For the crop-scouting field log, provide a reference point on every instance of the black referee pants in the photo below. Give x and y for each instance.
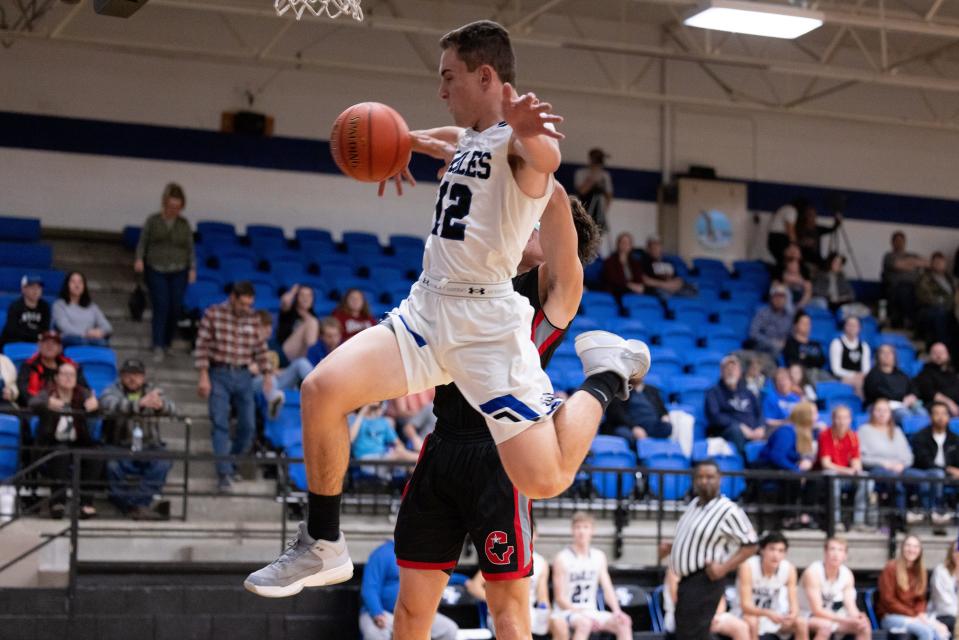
(696, 603)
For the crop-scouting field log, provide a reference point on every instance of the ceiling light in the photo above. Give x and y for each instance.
(755, 18)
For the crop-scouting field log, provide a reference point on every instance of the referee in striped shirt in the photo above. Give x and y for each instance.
(700, 552)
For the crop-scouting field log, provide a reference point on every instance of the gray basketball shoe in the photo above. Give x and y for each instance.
(604, 351)
(305, 563)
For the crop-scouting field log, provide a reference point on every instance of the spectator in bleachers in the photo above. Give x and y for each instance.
(935, 452)
(378, 594)
(802, 350)
(802, 383)
(732, 411)
(771, 325)
(831, 289)
(643, 415)
(40, 369)
(659, 275)
(938, 380)
(419, 426)
(782, 228)
(779, 401)
(936, 294)
(809, 235)
(901, 595)
(944, 588)
(886, 380)
(288, 378)
(228, 342)
(793, 447)
(166, 257)
(132, 408)
(886, 451)
(298, 328)
(828, 595)
(29, 315)
(331, 336)
(755, 377)
(623, 270)
(402, 409)
(62, 407)
(8, 380)
(78, 319)
(794, 276)
(353, 313)
(594, 186)
(900, 273)
(840, 457)
(724, 623)
(373, 437)
(850, 358)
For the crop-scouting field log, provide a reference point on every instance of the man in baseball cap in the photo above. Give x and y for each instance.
(28, 315)
(771, 324)
(39, 370)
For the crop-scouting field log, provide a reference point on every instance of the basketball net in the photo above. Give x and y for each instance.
(332, 8)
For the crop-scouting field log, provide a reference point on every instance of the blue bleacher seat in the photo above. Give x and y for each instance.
(711, 266)
(234, 264)
(626, 328)
(852, 401)
(610, 484)
(264, 231)
(334, 273)
(314, 249)
(606, 444)
(130, 236)
(297, 471)
(744, 297)
(668, 486)
(752, 450)
(199, 291)
(98, 361)
(26, 256)
(387, 277)
(704, 362)
(16, 229)
(678, 264)
(407, 243)
(286, 430)
(691, 389)
(913, 424)
(213, 227)
(594, 300)
(665, 361)
(19, 351)
(649, 447)
(640, 301)
(832, 388)
(678, 336)
(582, 324)
(309, 234)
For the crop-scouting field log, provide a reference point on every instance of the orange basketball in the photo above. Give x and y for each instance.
(370, 142)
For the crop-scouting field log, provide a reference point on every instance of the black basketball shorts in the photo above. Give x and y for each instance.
(460, 488)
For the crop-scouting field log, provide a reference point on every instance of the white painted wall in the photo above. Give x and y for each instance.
(106, 193)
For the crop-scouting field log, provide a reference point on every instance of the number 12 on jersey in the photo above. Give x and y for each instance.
(449, 221)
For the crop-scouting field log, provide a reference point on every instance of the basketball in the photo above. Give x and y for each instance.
(370, 142)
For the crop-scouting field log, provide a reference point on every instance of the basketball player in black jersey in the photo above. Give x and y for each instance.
(459, 485)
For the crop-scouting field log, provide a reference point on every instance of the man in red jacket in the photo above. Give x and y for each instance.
(38, 370)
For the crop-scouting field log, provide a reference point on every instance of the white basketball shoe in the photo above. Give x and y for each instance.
(604, 351)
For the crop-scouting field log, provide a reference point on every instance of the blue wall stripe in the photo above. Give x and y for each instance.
(153, 142)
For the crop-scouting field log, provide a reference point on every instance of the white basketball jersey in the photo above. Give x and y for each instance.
(831, 591)
(482, 220)
(769, 592)
(582, 576)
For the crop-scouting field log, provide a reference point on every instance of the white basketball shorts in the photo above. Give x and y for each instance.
(480, 337)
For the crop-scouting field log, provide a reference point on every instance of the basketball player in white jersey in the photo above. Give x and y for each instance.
(767, 592)
(462, 321)
(828, 596)
(579, 571)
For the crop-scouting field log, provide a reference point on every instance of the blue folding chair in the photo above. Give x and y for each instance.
(752, 451)
(691, 389)
(17, 229)
(614, 484)
(26, 256)
(833, 388)
(19, 351)
(595, 301)
(913, 424)
(667, 486)
(297, 471)
(264, 231)
(608, 444)
(407, 243)
(651, 447)
(310, 234)
(665, 362)
(678, 336)
(97, 362)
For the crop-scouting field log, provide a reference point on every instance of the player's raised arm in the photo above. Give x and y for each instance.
(535, 139)
(562, 269)
(439, 143)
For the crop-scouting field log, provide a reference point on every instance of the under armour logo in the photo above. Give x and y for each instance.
(481, 291)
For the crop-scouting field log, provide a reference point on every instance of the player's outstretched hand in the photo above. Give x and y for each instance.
(398, 180)
(528, 116)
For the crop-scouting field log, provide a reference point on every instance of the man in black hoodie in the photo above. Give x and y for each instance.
(732, 411)
(29, 315)
(938, 381)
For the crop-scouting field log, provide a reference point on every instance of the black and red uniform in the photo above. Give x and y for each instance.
(459, 486)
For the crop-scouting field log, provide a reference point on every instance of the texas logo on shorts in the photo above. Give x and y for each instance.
(497, 549)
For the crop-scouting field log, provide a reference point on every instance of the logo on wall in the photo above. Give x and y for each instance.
(713, 229)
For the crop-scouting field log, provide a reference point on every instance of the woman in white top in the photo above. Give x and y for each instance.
(943, 588)
(724, 623)
(77, 318)
(849, 357)
(828, 595)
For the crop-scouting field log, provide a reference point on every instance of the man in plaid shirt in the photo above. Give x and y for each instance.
(227, 343)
